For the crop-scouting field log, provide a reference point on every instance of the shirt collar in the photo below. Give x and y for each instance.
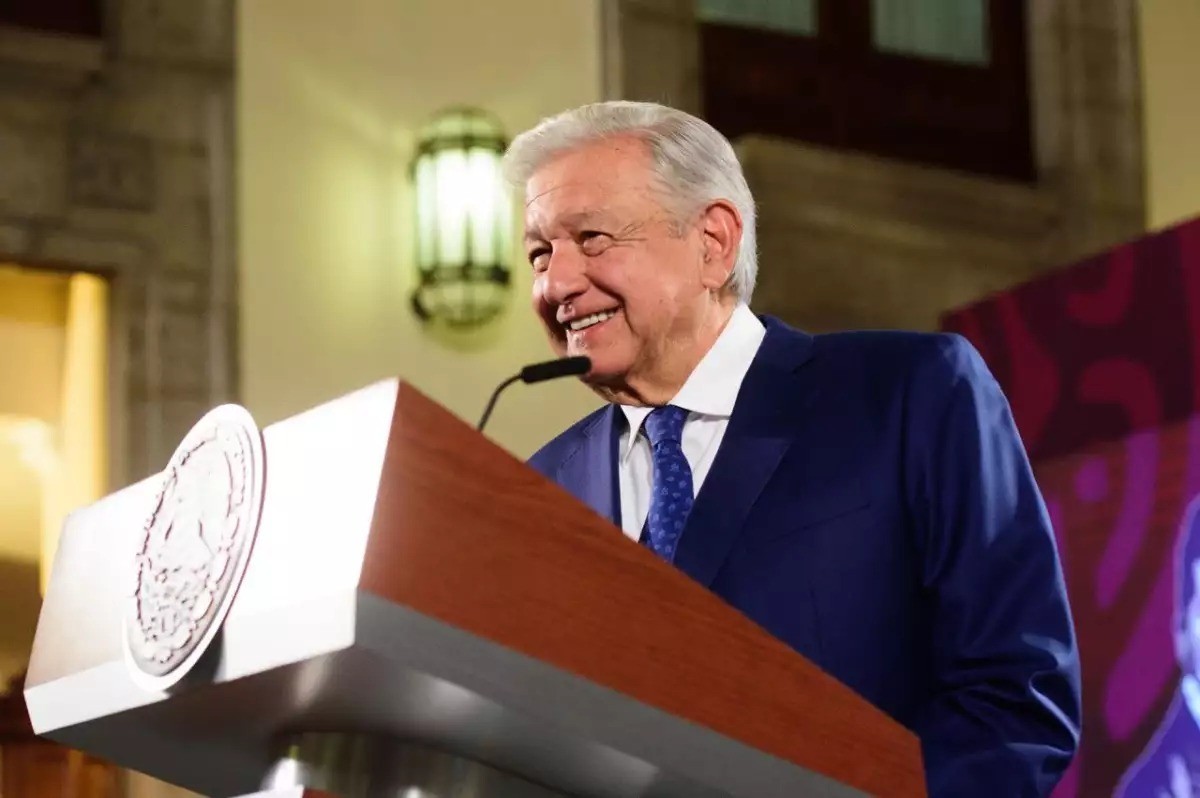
(712, 388)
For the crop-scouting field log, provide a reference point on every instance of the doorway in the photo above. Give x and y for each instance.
(54, 375)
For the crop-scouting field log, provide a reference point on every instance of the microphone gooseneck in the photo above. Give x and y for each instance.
(538, 372)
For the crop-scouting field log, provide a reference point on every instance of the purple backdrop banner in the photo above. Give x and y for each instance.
(1101, 362)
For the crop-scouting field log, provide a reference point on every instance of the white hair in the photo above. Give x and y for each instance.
(694, 163)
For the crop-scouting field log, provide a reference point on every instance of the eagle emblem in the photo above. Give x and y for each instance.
(195, 545)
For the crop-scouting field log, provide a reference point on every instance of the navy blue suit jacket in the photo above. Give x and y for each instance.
(872, 506)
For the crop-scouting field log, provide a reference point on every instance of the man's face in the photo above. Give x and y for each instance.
(616, 276)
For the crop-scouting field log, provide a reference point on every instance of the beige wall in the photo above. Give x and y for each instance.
(1170, 47)
(330, 96)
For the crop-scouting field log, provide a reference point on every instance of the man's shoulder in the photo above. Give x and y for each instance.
(547, 459)
(897, 346)
(928, 371)
(876, 369)
(891, 355)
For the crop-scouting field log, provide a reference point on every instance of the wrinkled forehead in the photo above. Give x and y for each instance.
(573, 209)
(601, 181)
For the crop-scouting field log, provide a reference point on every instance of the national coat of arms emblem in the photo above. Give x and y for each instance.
(195, 546)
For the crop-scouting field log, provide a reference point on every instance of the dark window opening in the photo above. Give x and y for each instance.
(940, 82)
(69, 17)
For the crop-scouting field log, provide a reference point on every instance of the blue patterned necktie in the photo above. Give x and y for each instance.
(671, 488)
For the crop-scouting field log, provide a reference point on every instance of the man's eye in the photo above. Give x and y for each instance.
(594, 241)
(538, 257)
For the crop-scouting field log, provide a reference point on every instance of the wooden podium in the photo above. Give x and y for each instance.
(418, 605)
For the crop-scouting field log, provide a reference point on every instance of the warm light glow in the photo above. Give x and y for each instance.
(426, 190)
(453, 193)
(464, 219)
(26, 477)
(463, 208)
(81, 473)
(489, 207)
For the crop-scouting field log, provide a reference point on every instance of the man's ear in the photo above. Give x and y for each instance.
(721, 227)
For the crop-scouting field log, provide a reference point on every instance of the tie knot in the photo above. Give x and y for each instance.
(665, 424)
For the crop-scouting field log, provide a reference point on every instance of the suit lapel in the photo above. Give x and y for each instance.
(590, 471)
(767, 419)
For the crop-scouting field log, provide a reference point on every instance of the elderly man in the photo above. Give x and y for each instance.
(862, 496)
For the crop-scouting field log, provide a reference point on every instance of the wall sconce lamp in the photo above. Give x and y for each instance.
(463, 220)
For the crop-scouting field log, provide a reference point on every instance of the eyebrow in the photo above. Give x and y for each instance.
(572, 221)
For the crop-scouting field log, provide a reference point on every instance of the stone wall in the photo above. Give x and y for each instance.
(849, 240)
(116, 156)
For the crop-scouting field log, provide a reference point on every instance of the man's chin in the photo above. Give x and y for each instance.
(609, 384)
(609, 368)
(598, 377)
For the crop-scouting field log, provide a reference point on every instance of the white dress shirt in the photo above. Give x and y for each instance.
(709, 395)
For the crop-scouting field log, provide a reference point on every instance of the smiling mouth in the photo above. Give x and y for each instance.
(587, 322)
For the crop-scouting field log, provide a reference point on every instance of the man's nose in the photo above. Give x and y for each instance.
(566, 277)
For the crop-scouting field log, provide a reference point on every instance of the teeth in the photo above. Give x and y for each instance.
(587, 321)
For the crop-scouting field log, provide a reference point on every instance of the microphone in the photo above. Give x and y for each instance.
(539, 372)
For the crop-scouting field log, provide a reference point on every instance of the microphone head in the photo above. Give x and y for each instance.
(553, 369)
